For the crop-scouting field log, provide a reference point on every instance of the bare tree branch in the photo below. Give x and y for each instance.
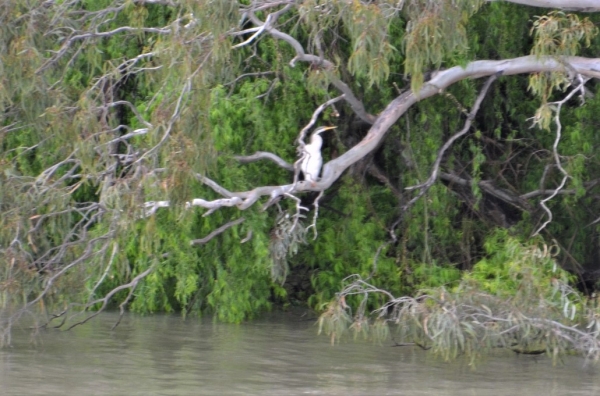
(556, 107)
(537, 193)
(438, 161)
(218, 231)
(71, 40)
(488, 187)
(242, 76)
(260, 155)
(383, 178)
(356, 105)
(104, 300)
(313, 225)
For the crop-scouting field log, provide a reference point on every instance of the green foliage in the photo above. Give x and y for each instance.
(348, 244)
(371, 51)
(560, 34)
(510, 267)
(557, 34)
(436, 33)
(431, 276)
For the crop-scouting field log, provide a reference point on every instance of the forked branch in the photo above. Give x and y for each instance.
(438, 161)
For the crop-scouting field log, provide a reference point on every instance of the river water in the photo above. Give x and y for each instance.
(278, 355)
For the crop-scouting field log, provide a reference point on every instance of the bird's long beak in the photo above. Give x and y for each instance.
(328, 128)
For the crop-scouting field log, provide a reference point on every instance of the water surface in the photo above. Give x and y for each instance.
(278, 355)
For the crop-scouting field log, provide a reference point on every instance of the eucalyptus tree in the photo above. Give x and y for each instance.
(151, 149)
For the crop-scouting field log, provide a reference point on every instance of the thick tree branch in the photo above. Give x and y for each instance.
(488, 187)
(565, 5)
(333, 169)
(214, 185)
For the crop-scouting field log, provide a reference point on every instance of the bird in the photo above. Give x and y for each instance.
(312, 161)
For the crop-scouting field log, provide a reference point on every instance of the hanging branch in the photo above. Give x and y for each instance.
(436, 165)
(218, 231)
(355, 104)
(556, 106)
(313, 225)
(104, 300)
(299, 209)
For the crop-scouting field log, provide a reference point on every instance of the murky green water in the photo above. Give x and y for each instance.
(279, 355)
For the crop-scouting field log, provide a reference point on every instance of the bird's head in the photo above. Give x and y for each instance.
(323, 129)
(315, 139)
